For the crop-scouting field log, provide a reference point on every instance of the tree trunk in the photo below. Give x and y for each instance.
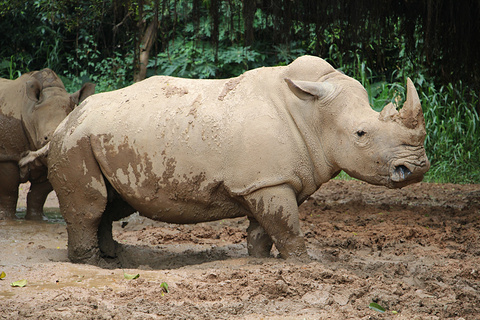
(248, 17)
(146, 45)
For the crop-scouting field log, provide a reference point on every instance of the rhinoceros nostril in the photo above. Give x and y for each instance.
(402, 172)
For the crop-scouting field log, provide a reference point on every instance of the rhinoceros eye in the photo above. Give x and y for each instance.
(361, 133)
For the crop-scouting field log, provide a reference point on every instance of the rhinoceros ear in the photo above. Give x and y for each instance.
(34, 87)
(87, 90)
(308, 90)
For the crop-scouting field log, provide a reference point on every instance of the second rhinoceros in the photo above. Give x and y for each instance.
(187, 151)
(31, 107)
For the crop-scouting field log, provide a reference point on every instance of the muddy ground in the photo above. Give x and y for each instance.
(414, 251)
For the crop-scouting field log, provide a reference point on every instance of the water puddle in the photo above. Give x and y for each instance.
(52, 215)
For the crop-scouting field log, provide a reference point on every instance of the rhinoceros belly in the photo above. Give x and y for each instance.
(165, 187)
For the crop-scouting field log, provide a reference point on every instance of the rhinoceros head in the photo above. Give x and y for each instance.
(48, 104)
(385, 148)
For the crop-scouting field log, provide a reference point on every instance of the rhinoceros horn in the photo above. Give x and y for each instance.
(388, 112)
(411, 115)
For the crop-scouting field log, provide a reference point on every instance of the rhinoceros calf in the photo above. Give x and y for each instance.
(31, 107)
(187, 151)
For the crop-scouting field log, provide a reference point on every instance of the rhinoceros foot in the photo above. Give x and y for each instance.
(92, 256)
(259, 243)
(7, 208)
(33, 214)
(294, 249)
(7, 214)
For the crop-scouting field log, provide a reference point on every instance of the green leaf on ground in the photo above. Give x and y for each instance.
(164, 287)
(376, 307)
(19, 283)
(2, 275)
(131, 276)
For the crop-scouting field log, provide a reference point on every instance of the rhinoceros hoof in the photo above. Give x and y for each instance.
(259, 251)
(7, 214)
(92, 256)
(301, 257)
(36, 216)
(109, 249)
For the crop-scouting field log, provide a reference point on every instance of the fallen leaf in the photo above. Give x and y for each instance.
(376, 307)
(19, 283)
(2, 275)
(130, 276)
(164, 287)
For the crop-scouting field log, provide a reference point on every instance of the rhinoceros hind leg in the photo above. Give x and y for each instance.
(82, 195)
(36, 199)
(259, 243)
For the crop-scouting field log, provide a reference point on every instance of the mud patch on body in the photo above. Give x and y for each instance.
(170, 91)
(229, 86)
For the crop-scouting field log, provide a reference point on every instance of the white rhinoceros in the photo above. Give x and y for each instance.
(187, 151)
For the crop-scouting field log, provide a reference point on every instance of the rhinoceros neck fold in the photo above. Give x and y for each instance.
(28, 136)
(323, 169)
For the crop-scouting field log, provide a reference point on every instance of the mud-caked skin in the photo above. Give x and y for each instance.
(187, 151)
(31, 107)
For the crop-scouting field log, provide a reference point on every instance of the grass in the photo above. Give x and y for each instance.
(453, 133)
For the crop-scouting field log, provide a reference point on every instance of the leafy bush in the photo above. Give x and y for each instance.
(87, 64)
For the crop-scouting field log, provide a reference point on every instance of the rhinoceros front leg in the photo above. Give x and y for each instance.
(36, 199)
(276, 211)
(9, 182)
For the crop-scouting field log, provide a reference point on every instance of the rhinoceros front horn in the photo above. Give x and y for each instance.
(411, 115)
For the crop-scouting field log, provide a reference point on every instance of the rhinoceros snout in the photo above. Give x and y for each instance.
(409, 172)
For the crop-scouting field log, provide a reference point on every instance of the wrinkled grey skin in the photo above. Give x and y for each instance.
(187, 151)
(31, 107)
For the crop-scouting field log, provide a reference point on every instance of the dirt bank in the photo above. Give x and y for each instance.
(414, 251)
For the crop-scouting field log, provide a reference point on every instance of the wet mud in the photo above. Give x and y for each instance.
(414, 251)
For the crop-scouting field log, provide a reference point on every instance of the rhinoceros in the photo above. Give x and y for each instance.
(258, 145)
(31, 107)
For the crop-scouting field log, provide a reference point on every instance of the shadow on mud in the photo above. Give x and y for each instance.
(148, 258)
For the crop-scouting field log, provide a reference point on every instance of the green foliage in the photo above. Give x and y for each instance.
(453, 132)
(87, 64)
(187, 61)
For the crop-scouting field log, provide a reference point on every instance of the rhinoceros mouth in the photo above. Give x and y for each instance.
(400, 173)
